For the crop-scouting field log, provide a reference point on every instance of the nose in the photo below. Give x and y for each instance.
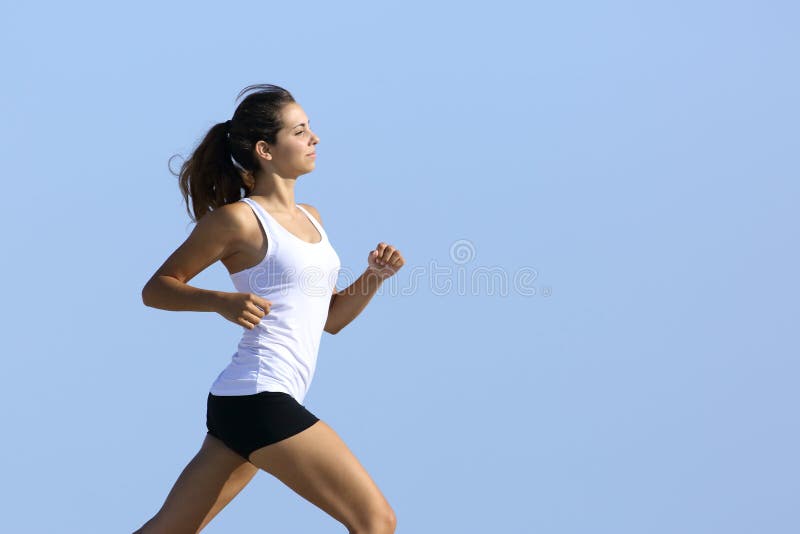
(314, 138)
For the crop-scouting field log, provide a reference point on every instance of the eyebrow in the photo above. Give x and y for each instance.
(301, 124)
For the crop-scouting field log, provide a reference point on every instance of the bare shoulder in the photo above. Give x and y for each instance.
(313, 211)
(237, 222)
(233, 213)
(235, 219)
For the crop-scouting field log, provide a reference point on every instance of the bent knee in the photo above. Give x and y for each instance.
(378, 522)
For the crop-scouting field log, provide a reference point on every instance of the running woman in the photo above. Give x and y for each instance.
(241, 180)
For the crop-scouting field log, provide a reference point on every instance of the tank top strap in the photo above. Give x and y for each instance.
(314, 221)
(264, 218)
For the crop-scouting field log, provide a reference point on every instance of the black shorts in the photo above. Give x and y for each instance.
(248, 422)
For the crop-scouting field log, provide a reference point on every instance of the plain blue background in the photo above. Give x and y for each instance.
(641, 159)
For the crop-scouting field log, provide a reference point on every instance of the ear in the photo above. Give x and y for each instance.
(263, 150)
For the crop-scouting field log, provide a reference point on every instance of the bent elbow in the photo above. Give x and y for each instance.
(332, 330)
(144, 296)
(147, 291)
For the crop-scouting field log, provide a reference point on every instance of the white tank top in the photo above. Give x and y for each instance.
(298, 278)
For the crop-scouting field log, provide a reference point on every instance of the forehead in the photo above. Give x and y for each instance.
(292, 114)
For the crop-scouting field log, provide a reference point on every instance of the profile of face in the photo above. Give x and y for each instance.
(294, 150)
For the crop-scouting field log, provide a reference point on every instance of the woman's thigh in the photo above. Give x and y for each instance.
(319, 466)
(207, 484)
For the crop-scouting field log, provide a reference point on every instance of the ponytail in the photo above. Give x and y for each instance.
(209, 176)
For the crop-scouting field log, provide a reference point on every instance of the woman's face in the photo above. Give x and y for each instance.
(294, 151)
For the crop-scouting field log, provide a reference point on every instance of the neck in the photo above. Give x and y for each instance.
(277, 190)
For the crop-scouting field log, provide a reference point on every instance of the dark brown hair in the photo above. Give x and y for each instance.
(213, 175)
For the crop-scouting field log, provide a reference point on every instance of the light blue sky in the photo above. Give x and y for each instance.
(640, 158)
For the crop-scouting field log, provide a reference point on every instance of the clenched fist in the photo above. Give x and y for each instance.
(384, 261)
(244, 309)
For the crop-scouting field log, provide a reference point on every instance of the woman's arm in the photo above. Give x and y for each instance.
(345, 306)
(218, 234)
(214, 237)
(348, 303)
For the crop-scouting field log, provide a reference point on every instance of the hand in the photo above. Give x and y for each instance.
(384, 261)
(244, 309)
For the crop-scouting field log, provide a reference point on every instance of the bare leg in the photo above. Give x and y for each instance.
(319, 466)
(207, 484)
